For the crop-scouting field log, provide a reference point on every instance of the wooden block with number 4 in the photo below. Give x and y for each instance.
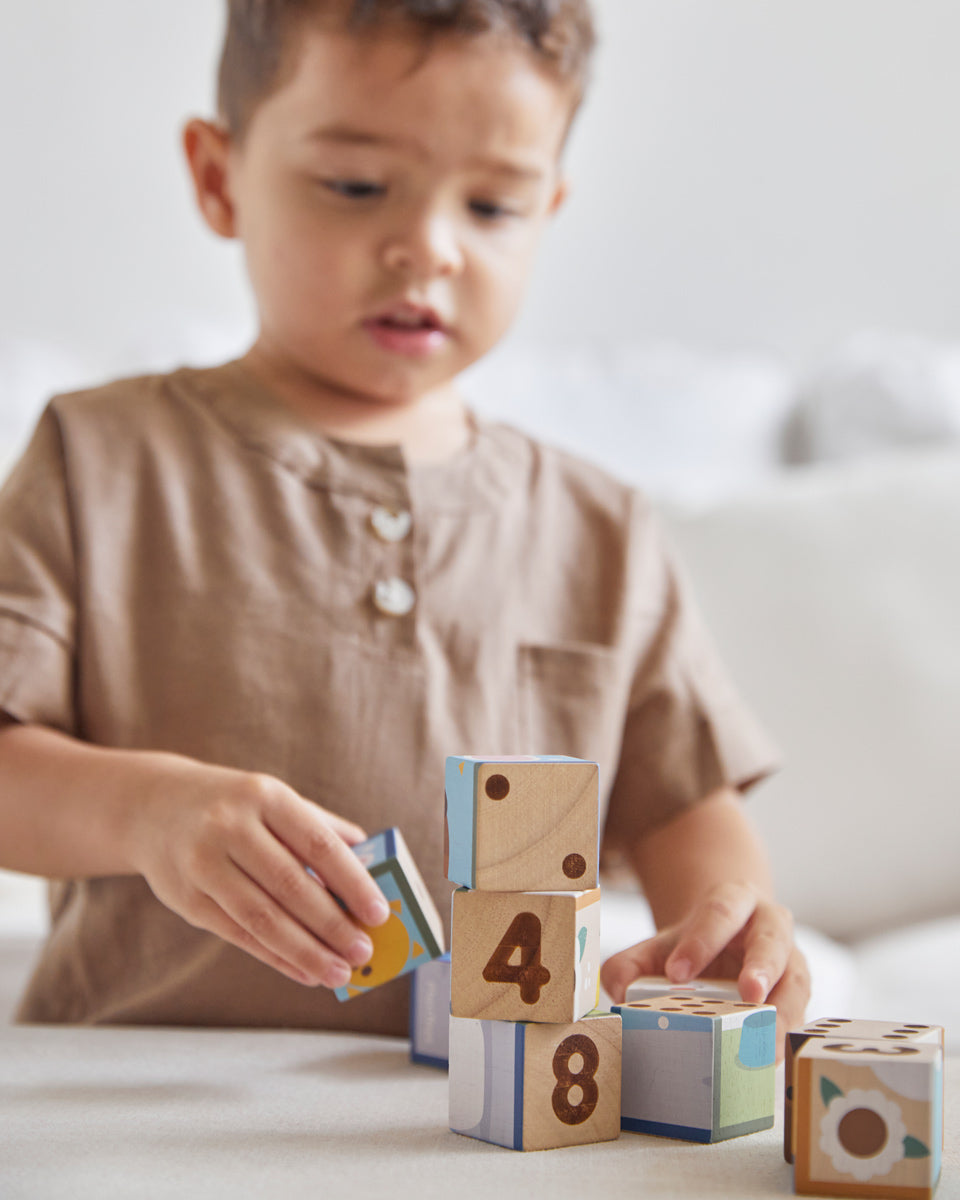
(525, 956)
(522, 824)
(536, 1087)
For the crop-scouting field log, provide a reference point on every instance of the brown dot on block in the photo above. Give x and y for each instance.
(498, 787)
(574, 865)
(367, 971)
(896, 1037)
(914, 1026)
(862, 1132)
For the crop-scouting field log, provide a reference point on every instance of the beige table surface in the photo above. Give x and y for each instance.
(141, 1113)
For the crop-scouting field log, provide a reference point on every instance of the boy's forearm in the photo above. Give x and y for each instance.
(65, 805)
(711, 844)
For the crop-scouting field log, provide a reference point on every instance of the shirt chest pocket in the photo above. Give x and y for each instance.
(571, 700)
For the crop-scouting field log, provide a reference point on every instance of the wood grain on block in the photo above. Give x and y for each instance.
(659, 985)
(430, 1013)
(413, 934)
(868, 1118)
(698, 1069)
(522, 824)
(536, 1087)
(847, 1029)
(525, 956)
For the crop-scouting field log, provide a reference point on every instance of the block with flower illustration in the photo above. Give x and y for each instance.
(867, 1118)
(697, 1068)
(849, 1029)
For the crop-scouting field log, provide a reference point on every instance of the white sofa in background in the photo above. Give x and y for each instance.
(834, 594)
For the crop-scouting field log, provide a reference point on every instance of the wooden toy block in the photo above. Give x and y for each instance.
(522, 824)
(843, 1027)
(413, 934)
(430, 1013)
(536, 1087)
(660, 985)
(525, 956)
(702, 1070)
(868, 1118)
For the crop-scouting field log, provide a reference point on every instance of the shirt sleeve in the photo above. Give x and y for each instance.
(686, 732)
(38, 585)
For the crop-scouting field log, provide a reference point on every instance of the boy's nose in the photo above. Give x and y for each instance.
(425, 249)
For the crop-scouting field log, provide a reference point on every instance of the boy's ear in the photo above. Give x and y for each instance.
(561, 192)
(207, 147)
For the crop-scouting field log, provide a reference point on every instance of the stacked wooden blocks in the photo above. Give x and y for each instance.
(531, 1066)
(863, 1108)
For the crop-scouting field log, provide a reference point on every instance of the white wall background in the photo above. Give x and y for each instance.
(748, 173)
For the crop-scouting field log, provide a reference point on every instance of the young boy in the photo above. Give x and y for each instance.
(245, 612)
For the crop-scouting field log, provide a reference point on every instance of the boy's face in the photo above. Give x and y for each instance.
(390, 199)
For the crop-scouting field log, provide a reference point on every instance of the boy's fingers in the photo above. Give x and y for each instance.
(208, 914)
(312, 839)
(767, 948)
(265, 924)
(351, 833)
(708, 932)
(791, 996)
(619, 971)
(271, 866)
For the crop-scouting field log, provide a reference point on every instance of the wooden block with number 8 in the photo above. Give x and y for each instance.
(536, 1087)
(522, 824)
(525, 956)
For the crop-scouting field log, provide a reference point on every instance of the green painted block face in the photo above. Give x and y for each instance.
(747, 1071)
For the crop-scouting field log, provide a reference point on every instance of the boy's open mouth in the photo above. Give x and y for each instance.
(408, 329)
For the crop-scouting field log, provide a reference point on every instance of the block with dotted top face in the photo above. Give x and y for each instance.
(413, 934)
(697, 1069)
(522, 824)
(536, 1087)
(868, 1117)
(844, 1028)
(525, 956)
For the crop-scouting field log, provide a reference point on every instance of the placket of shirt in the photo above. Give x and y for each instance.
(392, 597)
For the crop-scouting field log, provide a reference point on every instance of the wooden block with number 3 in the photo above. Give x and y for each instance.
(525, 956)
(522, 824)
(536, 1087)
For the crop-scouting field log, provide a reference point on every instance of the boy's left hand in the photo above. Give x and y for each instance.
(733, 933)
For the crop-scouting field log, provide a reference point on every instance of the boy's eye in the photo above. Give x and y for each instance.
(354, 189)
(490, 211)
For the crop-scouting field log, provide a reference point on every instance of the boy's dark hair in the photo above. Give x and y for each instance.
(560, 32)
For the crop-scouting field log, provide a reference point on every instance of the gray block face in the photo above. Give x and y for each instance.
(668, 1076)
(486, 1052)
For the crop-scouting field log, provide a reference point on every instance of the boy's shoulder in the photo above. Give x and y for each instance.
(558, 475)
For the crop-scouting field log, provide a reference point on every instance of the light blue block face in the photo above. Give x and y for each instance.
(460, 785)
(486, 1080)
(430, 1013)
(667, 1072)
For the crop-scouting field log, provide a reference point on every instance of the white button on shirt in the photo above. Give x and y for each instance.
(390, 525)
(394, 597)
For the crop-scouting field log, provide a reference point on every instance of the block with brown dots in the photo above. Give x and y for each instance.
(867, 1117)
(845, 1029)
(525, 956)
(522, 824)
(413, 935)
(697, 1069)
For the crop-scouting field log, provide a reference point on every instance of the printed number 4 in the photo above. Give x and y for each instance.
(529, 974)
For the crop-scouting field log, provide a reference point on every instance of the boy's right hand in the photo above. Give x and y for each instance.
(228, 851)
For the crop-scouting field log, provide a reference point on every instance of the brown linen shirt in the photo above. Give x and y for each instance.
(187, 565)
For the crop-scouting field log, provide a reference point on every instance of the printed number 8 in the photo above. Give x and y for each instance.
(575, 1114)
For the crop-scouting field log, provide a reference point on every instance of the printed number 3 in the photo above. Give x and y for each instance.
(575, 1114)
(529, 974)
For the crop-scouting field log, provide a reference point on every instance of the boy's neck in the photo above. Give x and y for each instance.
(431, 428)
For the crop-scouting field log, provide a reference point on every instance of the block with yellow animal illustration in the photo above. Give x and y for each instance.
(522, 824)
(525, 956)
(413, 934)
(868, 1118)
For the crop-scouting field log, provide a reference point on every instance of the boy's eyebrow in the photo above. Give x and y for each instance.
(349, 136)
